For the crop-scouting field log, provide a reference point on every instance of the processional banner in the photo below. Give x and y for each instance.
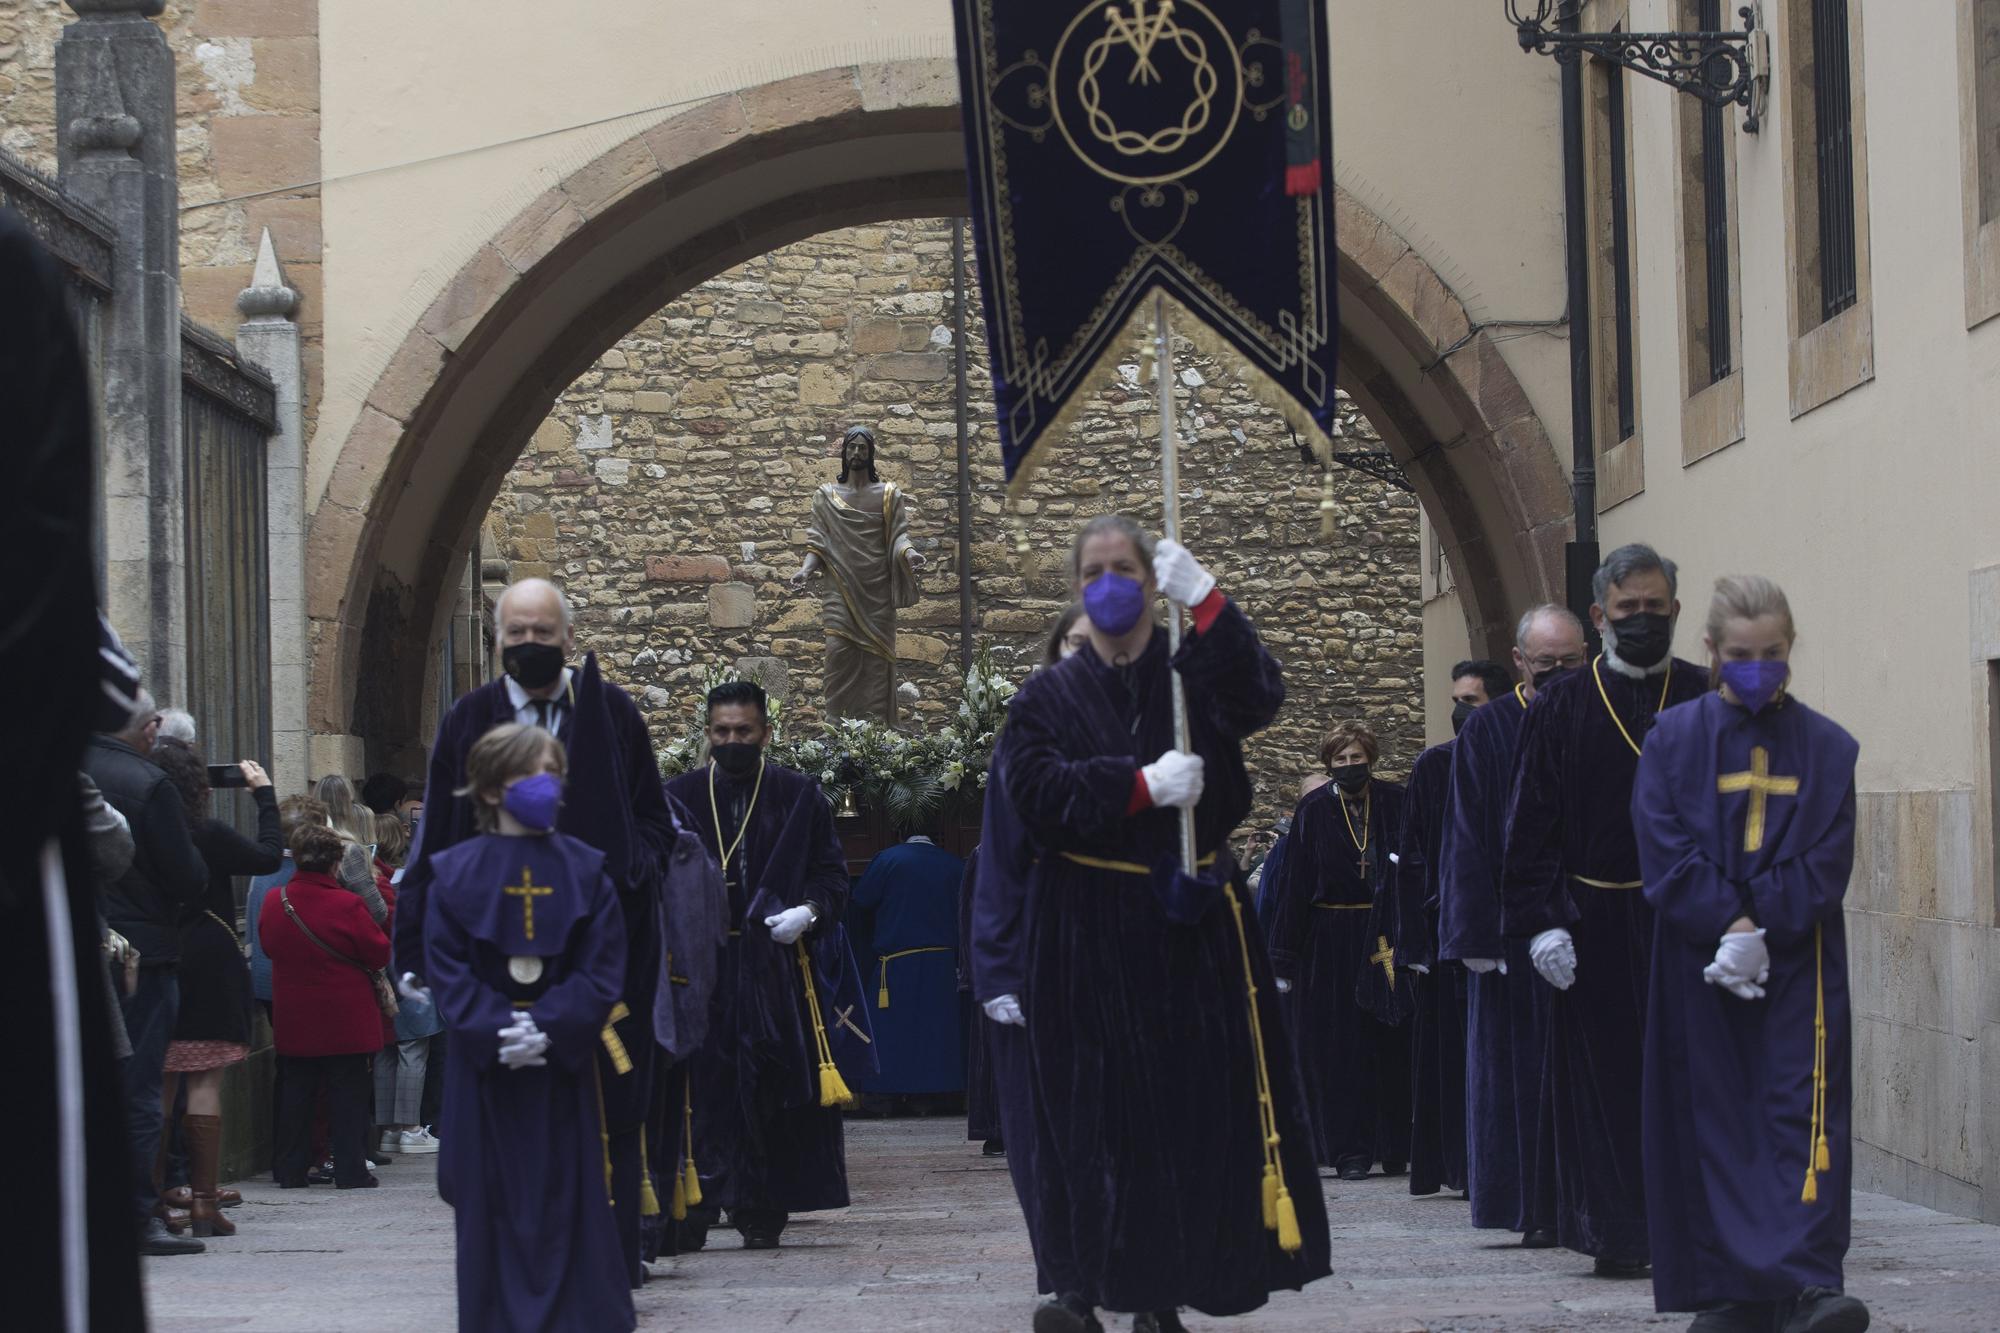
(1119, 146)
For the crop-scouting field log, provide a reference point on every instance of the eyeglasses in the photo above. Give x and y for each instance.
(1541, 664)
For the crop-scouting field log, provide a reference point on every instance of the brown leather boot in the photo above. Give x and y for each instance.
(175, 1218)
(203, 1134)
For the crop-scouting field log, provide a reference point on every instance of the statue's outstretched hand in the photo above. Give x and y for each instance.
(917, 559)
(799, 579)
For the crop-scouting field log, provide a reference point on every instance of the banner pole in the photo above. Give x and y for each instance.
(1170, 524)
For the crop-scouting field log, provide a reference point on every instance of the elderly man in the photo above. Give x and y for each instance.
(1507, 1007)
(146, 904)
(1570, 890)
(613, 801)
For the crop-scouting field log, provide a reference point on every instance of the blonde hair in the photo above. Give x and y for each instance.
(336, 793)
(1746, 597)
(507, 752)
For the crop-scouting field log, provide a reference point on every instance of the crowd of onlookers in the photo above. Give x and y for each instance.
(191, 970)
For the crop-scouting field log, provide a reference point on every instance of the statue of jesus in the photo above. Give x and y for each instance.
(859, 538)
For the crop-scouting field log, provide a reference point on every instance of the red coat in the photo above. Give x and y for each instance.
(321, 1005)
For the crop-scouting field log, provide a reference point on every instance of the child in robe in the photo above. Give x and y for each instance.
(525, 954)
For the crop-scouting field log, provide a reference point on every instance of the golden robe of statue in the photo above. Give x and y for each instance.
(859, 539)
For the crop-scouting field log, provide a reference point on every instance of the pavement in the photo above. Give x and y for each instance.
(933, 1241)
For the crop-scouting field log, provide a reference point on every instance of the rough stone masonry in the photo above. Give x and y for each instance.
(668, 489)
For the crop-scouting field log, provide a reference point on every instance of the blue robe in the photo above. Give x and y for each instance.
(762, 1141)
(523, 1163)
(1437, 1037)
(1325, 931)
(1149, 1154)
(1510, 1182)
(1729, 1082)
(1572, 861)
(1002, 869)
(613, 801)
(910, 894)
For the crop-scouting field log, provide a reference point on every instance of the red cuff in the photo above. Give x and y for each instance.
(1142, 795)
(1209, 608)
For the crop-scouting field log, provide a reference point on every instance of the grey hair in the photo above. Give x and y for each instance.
(1623, 563)
(1526, 625)
(1142, 541)
(177, 724)
(562, 601)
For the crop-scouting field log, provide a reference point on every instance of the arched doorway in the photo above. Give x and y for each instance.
(674, 205)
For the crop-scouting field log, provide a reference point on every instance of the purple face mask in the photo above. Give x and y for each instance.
(1755, 684)
(1114, 603)
(533, 801)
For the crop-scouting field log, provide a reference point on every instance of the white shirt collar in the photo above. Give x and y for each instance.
(520, 698)
(920, 838)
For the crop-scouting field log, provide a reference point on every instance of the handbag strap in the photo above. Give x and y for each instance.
(285, 901)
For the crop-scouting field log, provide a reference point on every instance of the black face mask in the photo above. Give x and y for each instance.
(1461, 709)
(1547, 674)
(739, 759)
(1350, 778)
(532, 665)
(1643, 639)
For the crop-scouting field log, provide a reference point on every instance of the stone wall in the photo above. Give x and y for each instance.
(668, 492)
(248, 123)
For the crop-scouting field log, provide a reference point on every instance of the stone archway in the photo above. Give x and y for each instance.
(676, 204)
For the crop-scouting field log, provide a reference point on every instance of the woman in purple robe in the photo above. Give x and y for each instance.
(524, 948)
(1326, 934)
(1173, 1165)
(1744, 812)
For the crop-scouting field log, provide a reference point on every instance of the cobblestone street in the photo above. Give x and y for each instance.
(934, 1241)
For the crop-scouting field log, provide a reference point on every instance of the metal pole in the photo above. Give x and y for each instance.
(964, 451)
(1170, 525)
(1581, 553)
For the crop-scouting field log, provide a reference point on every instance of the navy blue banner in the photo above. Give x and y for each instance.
(1118, 146)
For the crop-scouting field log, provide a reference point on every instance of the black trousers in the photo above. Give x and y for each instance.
(349, 1090)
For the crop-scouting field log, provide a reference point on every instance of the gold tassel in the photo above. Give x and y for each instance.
(1823, 1159)
(1819, 1155)
(680, 1210)
(832, 1087)
(649, 1198)
(690, 1184)
(1271, 1197)
(1329, 512)
(1810, 1194)
(882, 990)
(1289, 1239)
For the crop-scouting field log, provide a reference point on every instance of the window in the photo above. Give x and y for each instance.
(1710, 292)
(1826, 192)
(1979, 100)
(1711, 185)
(1613, 323)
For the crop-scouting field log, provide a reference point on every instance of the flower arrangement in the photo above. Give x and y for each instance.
(909, 776)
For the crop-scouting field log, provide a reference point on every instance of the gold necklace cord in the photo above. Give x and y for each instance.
(1367, 819)
(1615, 719)
(716, 814)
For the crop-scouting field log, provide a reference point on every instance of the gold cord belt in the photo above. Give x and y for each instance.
(882, 986)
(1343, 907)
(1609, 883)
(1126, 867)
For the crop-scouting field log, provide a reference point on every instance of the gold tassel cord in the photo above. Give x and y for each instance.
(1819, 1154)
(649, 1198)
(603, 1131)
(687, 1181)
(833, 1090)
(1280, 1213)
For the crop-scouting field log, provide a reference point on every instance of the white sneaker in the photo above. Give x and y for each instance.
(415, 1142)
(390, 1138)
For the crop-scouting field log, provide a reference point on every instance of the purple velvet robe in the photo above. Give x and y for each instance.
(1325, 932)
(1437, 1036)
(1149, 1157)
(1510, 1182)
(761, 1138)
(1729, 1082)
(523, 1164)
(1572, 861)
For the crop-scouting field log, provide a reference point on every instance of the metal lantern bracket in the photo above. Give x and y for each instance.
(1720, 68)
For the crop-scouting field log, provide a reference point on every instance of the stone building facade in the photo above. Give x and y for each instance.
(668, 492)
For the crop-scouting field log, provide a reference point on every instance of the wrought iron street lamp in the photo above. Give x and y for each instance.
(1721, 68)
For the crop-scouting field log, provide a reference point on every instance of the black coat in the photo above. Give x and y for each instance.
(167, 878)
(214, 978)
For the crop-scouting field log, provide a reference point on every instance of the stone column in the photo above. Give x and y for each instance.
(269, 338)
(115, 151)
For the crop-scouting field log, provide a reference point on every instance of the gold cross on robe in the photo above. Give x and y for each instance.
(1386, 956)
(527, 891)
(1761, 786)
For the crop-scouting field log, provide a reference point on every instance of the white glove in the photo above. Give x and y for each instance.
(1005, 1009)
(1554, 955)
(1175, 778)
(407, 987)
(1284, 986)
(1485, 965)
(788, 925)
(1180, 575)
(1421, 969)
(1742, 965)
(523, 1044)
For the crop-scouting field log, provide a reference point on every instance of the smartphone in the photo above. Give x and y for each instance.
(226, 775)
